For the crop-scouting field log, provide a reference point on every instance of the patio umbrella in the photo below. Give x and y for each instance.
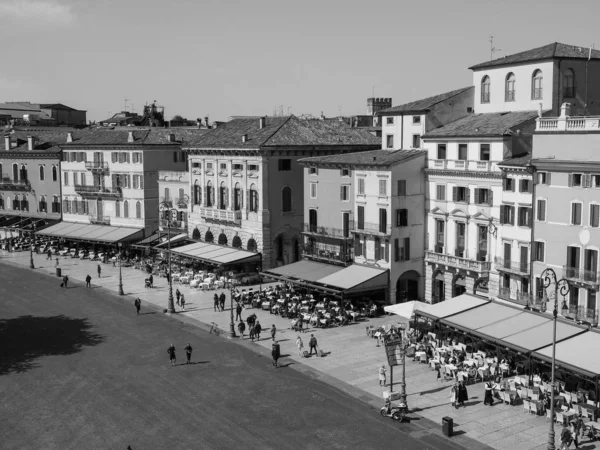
(406, 310)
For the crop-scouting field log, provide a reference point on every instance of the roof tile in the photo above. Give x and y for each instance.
(482, 125)
(424, 104)
(380, 157)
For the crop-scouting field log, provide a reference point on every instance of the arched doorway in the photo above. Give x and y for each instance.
(438, 288)
(407, 286)
(458, 285)
(236, 242)
(196, 234)
(208, 237)
(222, 239)
(296, 250)
(251, 246)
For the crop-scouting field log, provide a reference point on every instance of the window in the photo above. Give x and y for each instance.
(439, 236)
(402, 217)
(312, 220)
(595, 181)
(138, 157)
(360, 213)
(285, 165)
(416, 141)
(312, 171)
(569, 84)
(126, 209)
(485, 89)
(541, 210)
(383, 188)
(401, 188)
(405, 255)
(460, 194)
(286, 199)
(66, 178)
(253, 203)
(54, 173)
(389, 121)
(590, 265)
(524, 185)
(197, 193)
(524, 219)
(575, 213)
(313, 190)
(441, 151)
(138, 182)
(196, 165)
(416, 120)
(508, 184)
(345, 192)
(575, 180)
(382, 220)
(210, 195)
(117, 208)
(361, 186)
(484, 152)
(138, 210)
(209, 165)
(75, 179)
(462, 152)
(483, 196)
(238, 167)
(507, 215)
(594, 215)
(460, 239)
(253, 167)
(509, 93)
(536, 85)
(223, 166)
(223, 196)
(543, 178)
(441, 192)
(389, 139)
(591, 302)
(41, 173)
(23, 173)
(345, 172)
(574, 296)
(397, 250)
(15, 172)
(238, 198)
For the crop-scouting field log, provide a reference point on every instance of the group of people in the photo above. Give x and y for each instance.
(173, 358)
(458, 394)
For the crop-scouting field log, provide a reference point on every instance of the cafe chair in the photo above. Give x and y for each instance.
(548, 412)
(533, 408)
(526, 406)
(560, 418)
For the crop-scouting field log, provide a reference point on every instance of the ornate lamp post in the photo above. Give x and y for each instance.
(231, 323)
(164, 207)
(120, 272)
(405, 345)
(31, 266)
(548, 277)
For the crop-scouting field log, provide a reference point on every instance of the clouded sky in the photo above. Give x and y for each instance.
(251, 57)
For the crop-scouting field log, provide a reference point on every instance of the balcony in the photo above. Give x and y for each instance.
(455, 261)
(174, 224)
(221, 216)
(522, 298)
(96, 166)
(559, 124)
(97, 191)
(166, 201)
(8, 183)
(462, 165)
(181, 203)
(337, 256)
(580, 276)
(334, 233)
(99, 220)
(516, 267)
(582, 314)
(371, 228)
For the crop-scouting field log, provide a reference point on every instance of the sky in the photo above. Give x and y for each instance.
(221, 58)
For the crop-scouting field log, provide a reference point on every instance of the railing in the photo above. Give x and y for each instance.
(504, 293)
(463, 165)
(102, 220)
(167, 201)
(567, 123)
(579, 275)
(522, 298)
(96, 166)
(337, 256)
(371, 228)
(97, 191)
(174, 224)
(221, 215)
(519, 267)
(7, 182)
(182, 203)
(455, 261)
(582, 314)
(339, 233)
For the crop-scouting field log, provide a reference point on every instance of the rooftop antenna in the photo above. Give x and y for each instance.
(373, 91)
(492, 48)
(289, 110)
(126, 100)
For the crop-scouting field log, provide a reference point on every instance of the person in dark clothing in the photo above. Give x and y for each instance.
(65, 281)
(222, 301)
(216, 300)
(171, 352)
(488, 399)
(151, 280)
(257, 330)
(275, 353)
(312, 344)
(138, 305)
(99, 270)
(273, 332)
(49, 255)
(178, 296)
(88, 281)
(462, 394)
(182, 302)
(241, 328)
(238, 312)
(188, 353)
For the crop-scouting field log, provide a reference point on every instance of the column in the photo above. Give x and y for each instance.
(428, 283)
(448, 285)
(230, 193)
(467, 245)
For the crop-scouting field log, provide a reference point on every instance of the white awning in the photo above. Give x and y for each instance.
(407, 309)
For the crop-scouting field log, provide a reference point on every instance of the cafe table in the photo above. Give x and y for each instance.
(592, 410)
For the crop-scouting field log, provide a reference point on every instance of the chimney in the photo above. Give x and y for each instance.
(244, 137)
(130, 138)
(30, 143)
(262, 122)
(565, 110)
(69, 137)
(206, 121)
(7, 142)
(171, 137)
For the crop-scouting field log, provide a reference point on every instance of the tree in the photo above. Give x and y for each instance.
(177, 118)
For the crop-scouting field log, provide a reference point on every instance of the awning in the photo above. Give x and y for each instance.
(481, 316)
(453, 306)
(541, 336)
(407, 309)
(509, 326)
(309, 271)
(148, 242)
(218, 255)
(576, 353)
(174, 239)
(92, 233)
(356, 278)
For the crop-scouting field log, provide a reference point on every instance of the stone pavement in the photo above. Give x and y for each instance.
(351, 363)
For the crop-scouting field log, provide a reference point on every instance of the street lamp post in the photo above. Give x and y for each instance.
(231, 323)
(548, 277)
(120, 272)
(164, 207)
(405, 345)
(31, 266)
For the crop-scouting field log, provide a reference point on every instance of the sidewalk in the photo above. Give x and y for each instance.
(351, 362)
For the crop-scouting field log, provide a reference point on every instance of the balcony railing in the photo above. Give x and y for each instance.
(581, 276)
(372, 228)
(332, 256)
(174, 224)
(96, 166)
(518, 267)
(97, 191)
(463, 165)
(337, 233)
(221, 215)
(568, 123)
(582, 314)
(166, 201)
(522, 298)
(455, 261)
(101, 220)
(7, 182)
(181, 203)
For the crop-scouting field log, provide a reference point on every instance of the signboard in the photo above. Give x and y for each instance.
(395, 352)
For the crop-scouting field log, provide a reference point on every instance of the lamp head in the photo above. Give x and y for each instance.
(564, 308)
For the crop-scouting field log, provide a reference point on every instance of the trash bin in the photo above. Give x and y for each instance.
(58, 272)
(447, 426)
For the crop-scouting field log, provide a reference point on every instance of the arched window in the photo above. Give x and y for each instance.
(509, 92)
(181, 198)
(15, 172)
(16, 203)
(42, 173)
(236, 242)
(54, 173)
(181, 216)
(8, 203)
(286, 199)
(223, 196)
(485, 89)
(167, 195)
(138, 210)
(253, 201)
(23, 173)
(222, 239)
(43, 207)
(569, 84)
(197, 193)
(312, 220)
(126, 209)
(1, 175)
(210, 195)
(196, 234)
(208, 237)
(237, 197)
(55, 204)
(251, 246)
(118, 208)
(536, 85)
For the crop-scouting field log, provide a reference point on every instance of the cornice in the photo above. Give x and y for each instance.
(30, 155)
(464, 173)
(566, 166)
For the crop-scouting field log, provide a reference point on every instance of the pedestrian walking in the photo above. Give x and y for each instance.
(88, 281)
(99, 270)
(171, 352)
(382, 375)
(312, 344)
(216, 300)
(257, 330)
(275, 353)
(178, 296)
(488, 399)
(273, 332)
(182, 302)
(574, 433)
(222, 301)
(65, 281)
(454, 395)
(151, 280)
(241, 328)
(462, 393)
(300, 345)
(252, 332)
(238, 311)
(49, 255)
(138, 305)
(188, 353)
(57, 261)
(565, 438)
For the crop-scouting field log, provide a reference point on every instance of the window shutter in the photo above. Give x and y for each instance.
(512, 215)
(84, 156)
(467, 194)
(502, 214)
(587, 181)
(128, 177)
(212, 197)
(248, 191)
(406, 249)
(141, 157)
(135, 179)
(241, 199)
(227, 197)
(387, 251)
(341, 192)
(114, 180)
(570, 179)
(528, 217)
(454, 195)
(127, 157)
(113, 157)
(490, 197)
(512, 185)
(504, 184)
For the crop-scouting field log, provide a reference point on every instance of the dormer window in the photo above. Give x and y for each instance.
(536, 85)
(485, 89)
(509, 95)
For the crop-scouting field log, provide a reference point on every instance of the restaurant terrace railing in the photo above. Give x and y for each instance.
(96, 166)
(371, 228)
(221, 215)
(580, 275)
(522, 298)
(100, 220)
(6, 182)
(338, 233)
(518, 267)
(458, 262)
(583, 314)
(97, 191)
(568, 123)
(333, 256)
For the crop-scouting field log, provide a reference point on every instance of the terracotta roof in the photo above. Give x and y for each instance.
(519, 161)
(282, 131)
(45, 140)
(424, 104)
(368, 158)
(142, 136)
(482, 125)
(550, 51)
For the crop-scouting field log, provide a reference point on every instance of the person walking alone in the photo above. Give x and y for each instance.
(382, 381)
(238, 312)
(462, 393)
(454, 396)
(138, 305)
(312, 344)
(222, 301)
(171, 352)
(65, 281)
(488, 399)
(241, 328)
(216, 300)
(99, 271)
(88, 281)
(275, 353)
(182, 302)
(178, 296)
(257, 330)
(49, 255)
(188, 353)
(273, 332)
(300, 345)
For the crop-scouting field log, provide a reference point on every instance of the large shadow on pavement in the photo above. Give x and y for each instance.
(26, 338)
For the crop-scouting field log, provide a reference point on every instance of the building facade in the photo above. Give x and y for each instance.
(174, 194)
